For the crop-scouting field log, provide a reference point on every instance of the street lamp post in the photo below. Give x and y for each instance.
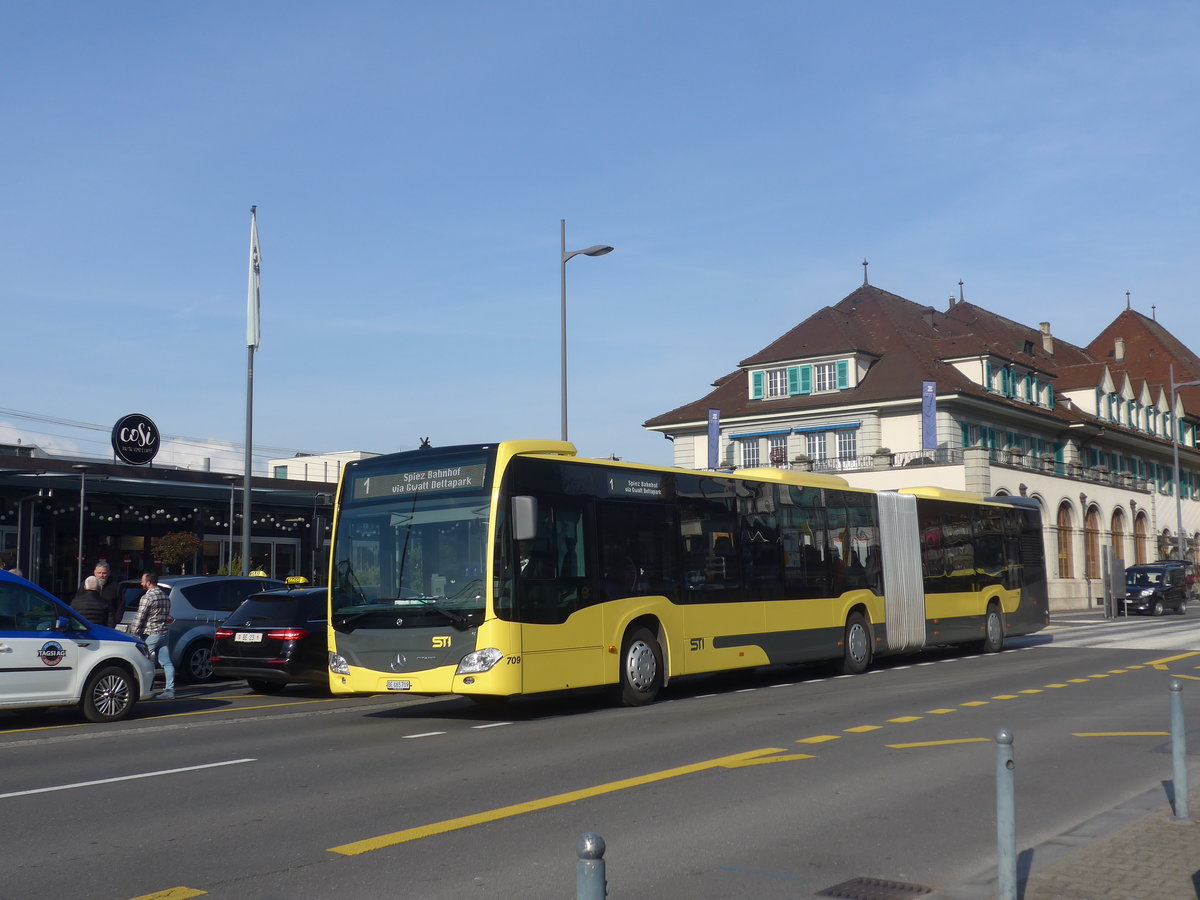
(233, 479)
(595, 250)
(1180, 543)
(82, 470)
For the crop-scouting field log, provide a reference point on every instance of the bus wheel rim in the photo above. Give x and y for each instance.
(640, 665)
(857, 642)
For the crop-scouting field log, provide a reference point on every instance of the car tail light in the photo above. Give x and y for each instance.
(287, 634)
(224, 632)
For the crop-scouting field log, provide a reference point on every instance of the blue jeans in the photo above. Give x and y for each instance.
(157, 644)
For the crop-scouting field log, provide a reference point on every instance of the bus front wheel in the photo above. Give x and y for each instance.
(641, 675)
(856, 646)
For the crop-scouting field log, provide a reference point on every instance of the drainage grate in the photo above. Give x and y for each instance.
(874, 889)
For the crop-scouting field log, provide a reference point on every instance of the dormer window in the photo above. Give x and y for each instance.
(788, 381)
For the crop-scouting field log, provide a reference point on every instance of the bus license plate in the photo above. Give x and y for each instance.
(399, 685)
(248, 637)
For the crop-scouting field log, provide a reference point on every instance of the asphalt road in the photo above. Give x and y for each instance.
(779, 783)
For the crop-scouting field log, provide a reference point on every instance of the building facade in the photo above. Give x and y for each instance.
(889, 393)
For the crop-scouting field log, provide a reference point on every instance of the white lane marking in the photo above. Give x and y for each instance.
(67, 787)
(492, 725)
(423, 734)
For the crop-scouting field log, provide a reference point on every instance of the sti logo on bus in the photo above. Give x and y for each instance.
(441, 641)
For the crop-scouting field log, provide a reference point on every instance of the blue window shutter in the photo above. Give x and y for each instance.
(987, 377)
(806, 379)
(966, 433)
(1049, 396)
(793, 380)
(756, 385)
(843, 374)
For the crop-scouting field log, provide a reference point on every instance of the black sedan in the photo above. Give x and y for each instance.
(274, 639)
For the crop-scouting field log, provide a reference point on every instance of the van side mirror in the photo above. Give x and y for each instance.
(524, 518)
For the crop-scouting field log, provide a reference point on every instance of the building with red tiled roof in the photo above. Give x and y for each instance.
(890, 393)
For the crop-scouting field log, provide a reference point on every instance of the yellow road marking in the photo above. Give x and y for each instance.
(860, 729)
(939, 712)
(1161, 664)
(900, 720)
(175, 893)
(1135, 667)
(1056, 685)
(1087, 734)
(819, 739)
(975, 703)
(750, 757)
(1189, 677)
(1030, 691)
(1116, 671)
(937, 743)
(1005, 697)
(1097, 676)
(1077, 680)
(763, 760)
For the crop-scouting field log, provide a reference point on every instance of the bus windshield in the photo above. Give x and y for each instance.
(417, 555)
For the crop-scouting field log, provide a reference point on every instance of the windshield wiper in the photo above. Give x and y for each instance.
(456, 620)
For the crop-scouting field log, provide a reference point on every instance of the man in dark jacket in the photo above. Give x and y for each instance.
(110, 590)
(90, 604)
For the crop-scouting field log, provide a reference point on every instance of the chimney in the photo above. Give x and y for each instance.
(1047, 338)
(929, 316)
(1119, 350)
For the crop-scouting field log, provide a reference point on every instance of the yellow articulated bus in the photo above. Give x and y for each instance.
(519, 568)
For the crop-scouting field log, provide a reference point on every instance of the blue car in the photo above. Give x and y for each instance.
(52, 656)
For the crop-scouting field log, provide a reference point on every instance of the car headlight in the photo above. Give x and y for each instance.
(1148, 592)
(479, 661)
(338, 664)
(143, 649)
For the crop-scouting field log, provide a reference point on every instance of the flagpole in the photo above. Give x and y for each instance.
(252, 341)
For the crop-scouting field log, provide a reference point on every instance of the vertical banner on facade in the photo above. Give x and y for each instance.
(929, 439)
(714, 438)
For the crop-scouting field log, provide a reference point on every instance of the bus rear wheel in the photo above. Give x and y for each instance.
(641, 675)
(856, 645)
(993, 631)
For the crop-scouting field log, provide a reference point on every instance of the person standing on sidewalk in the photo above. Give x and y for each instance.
(152, 622)
(110, 590)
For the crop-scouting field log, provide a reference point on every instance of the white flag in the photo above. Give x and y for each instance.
(253, 334)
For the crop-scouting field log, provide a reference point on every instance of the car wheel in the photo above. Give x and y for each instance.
(197, 662)
(265, 687)
(1182, 607)
(109, 695)
(641, 668)
(1158, 608)
(856, 645)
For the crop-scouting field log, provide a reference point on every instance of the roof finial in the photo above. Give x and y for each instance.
(960, 291)
(864, 271)
(1127, 299)
(1153, 307)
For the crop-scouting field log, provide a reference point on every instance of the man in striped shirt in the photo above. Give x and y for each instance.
(153, 622)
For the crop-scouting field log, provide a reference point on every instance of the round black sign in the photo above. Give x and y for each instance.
(135, 439)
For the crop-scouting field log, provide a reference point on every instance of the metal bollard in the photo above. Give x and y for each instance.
(1179, 753)
(589, 871)
(1006, 822)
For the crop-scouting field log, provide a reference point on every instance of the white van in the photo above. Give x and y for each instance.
(52, 656)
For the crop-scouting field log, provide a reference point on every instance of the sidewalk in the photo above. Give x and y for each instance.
(1132, 852)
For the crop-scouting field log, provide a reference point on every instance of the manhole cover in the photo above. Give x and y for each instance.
(874, 889)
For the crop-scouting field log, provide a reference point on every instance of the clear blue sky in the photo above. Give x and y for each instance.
(411, 162)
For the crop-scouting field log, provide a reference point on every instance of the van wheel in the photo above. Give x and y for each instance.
(197, 662)
(265, 687)
(641, 668)
(993, 631)
(109, 695)
(1183, 607)
(1158, 608)
(856, 645)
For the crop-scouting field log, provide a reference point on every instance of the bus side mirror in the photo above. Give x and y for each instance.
(524, 518)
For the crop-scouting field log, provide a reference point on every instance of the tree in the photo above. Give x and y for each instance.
(177, 548)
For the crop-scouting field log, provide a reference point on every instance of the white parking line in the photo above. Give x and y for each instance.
(67, 787)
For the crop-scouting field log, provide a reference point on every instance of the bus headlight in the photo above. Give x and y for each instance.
(338, 664)
(479, 661)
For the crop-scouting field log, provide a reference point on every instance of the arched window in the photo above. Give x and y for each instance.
(1066, 533)
(1118, 534)
(1091, 543)
(1141, 527)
